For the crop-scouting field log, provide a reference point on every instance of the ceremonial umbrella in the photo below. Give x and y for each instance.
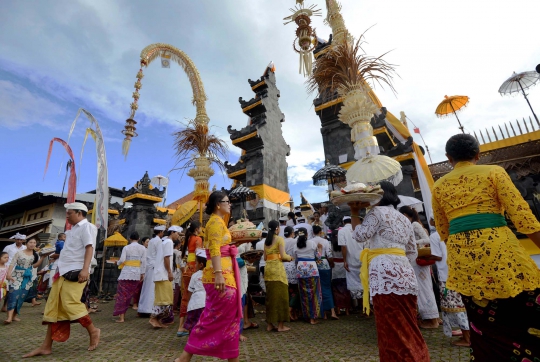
(159, 181)
(330, 172)
(373, 169)
(451, 105)
(520, 82)
(241, 194)
(115, 239)
(184, 212)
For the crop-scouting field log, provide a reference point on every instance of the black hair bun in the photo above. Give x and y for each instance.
(462, 147)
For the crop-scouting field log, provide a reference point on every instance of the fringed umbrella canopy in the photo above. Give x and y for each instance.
(450, 105)
(374, 169)
(184, 212)
(241, 194)
(518, 83)
(332, 173)
(411, 202)
(115, 239)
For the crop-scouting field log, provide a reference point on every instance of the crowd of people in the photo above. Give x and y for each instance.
(477, 281)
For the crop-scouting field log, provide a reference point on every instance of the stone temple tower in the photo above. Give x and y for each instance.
(263, 165)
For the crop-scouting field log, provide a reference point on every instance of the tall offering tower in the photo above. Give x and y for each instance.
(263, 165)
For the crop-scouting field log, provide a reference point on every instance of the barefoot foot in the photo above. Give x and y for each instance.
(94, 339)
(119, 321)
(284, 329)
(242, 338)
(41, 351)
(16, 319)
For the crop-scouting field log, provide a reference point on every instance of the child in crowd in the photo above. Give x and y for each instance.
(197, 295)
(4, 257)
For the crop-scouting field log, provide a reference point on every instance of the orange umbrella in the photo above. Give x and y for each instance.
(451, 105)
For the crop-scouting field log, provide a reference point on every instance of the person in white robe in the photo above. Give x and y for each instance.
(351, 250)
(146, 302)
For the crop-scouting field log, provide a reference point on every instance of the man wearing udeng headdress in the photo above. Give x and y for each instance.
(146, 302)
(70, 277)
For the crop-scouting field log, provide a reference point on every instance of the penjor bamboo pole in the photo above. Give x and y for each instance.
(102, 270)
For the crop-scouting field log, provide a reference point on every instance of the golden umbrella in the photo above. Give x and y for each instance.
(184, 212)
(452, 105)
(115, 239)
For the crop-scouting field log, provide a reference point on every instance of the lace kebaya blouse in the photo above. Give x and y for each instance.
(384, 227)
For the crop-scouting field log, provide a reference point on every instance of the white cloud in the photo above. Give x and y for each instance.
(20, 108)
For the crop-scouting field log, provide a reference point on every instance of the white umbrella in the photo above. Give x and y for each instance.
(373, 169)
(411, 202)
(159, 181)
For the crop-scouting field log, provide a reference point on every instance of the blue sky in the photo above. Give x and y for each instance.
(59, 56)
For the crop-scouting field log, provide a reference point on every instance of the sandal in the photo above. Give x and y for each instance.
(182, 334)
(252, 326)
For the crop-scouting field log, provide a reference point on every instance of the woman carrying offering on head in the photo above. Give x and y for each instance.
(275, 279)
(216, 334)
(388, 277)
(498, 281)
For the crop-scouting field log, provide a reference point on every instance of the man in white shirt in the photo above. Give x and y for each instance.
(324, 215)
(303, 224)
(262, 262)
(132, 263)
(282, 225)
(453, 309)
(351, 250)
(146, 301)
(73, 269)
(162, 313)
(13, 249)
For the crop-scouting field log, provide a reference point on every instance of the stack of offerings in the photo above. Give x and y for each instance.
(244, 231)
(357, 192)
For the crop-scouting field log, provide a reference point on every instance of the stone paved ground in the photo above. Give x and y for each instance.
(352, 338)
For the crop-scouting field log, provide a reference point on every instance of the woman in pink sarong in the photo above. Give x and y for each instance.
(217, 332)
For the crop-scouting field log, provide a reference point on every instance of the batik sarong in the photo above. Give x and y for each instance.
(185, 295)
(163, 302)
(505, 329)
(294, 296)
(326, 288)
(217, 332)
(342, 297)
(453, 310)
(16, 297)
(277, 302)
(192, 318)
(310, 297)
(398, 334)
(125, 290)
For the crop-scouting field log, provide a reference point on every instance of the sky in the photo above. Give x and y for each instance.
(59, 56)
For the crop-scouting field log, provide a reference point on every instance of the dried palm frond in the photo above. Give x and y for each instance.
(346, 66)
(195, 140)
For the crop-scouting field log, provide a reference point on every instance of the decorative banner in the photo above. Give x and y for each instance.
(101, 204)
(72, 183)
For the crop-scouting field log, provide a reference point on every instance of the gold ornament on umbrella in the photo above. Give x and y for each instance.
(306, 39)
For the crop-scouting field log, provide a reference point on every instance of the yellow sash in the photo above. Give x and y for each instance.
(191, 258)
(135, 263)
(366, 257)
(270, 257)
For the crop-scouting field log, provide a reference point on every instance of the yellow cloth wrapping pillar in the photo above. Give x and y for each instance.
(271, 194)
